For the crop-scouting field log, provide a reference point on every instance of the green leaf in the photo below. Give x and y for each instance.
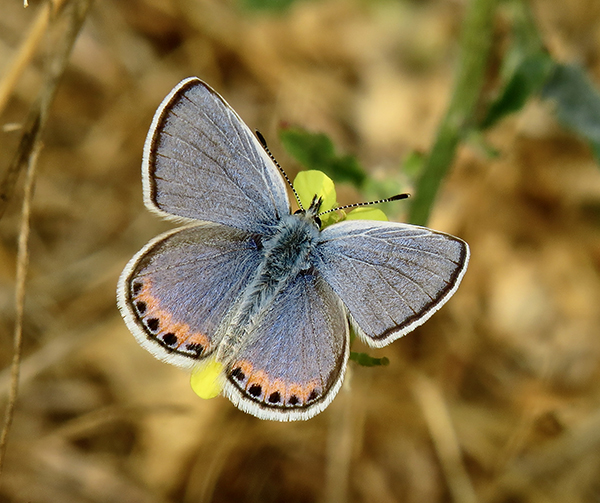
(413, 164)
(595, 146)
(577, 102)
(478, 140)
(365, 360)
(267, 5)
(316, 151)
(525, 36)
(528, 79)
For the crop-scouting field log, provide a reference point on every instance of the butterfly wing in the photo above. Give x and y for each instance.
(391, 277)
(177, 290)
(292, 362)
(202, 162)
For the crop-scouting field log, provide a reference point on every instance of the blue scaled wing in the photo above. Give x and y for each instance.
(179, 288)
(291, 363)
(202, 162)
(391, 277)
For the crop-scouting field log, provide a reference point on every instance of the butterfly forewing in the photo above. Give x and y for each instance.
(391, 277)
(202, 162)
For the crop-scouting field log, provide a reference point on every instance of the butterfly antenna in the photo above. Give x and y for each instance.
(397, 197)
(263, 142)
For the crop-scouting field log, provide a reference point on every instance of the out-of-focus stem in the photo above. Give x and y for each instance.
(475, 42)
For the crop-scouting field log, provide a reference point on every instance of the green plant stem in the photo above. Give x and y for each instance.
(525, 31)
(475, 43)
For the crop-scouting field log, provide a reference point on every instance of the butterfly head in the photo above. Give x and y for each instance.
(312, 213)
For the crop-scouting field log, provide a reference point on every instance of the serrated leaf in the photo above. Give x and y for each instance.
(316, 151)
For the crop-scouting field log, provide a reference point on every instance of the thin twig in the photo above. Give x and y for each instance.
(22, 264)
(444, 440)
(341, 436)
(24, 55)
(27, 50)
(534, 469)
(74, 14)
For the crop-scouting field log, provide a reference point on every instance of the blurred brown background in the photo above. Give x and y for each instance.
(495, 399)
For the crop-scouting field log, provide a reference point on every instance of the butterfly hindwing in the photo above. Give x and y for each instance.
(391, 277)
(202, 162)
(292, 361)
(177, 290)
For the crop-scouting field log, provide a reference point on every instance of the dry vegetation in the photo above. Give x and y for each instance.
(496, 399)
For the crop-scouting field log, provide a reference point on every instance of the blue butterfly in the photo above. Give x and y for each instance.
(266, 293)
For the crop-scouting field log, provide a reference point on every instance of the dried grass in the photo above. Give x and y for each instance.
(496, 399)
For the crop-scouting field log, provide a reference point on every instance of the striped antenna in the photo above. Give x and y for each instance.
(263, 142)
(397, 197)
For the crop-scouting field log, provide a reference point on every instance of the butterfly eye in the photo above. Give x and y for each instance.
(318, 222)
(298, 212)
(257, 240)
